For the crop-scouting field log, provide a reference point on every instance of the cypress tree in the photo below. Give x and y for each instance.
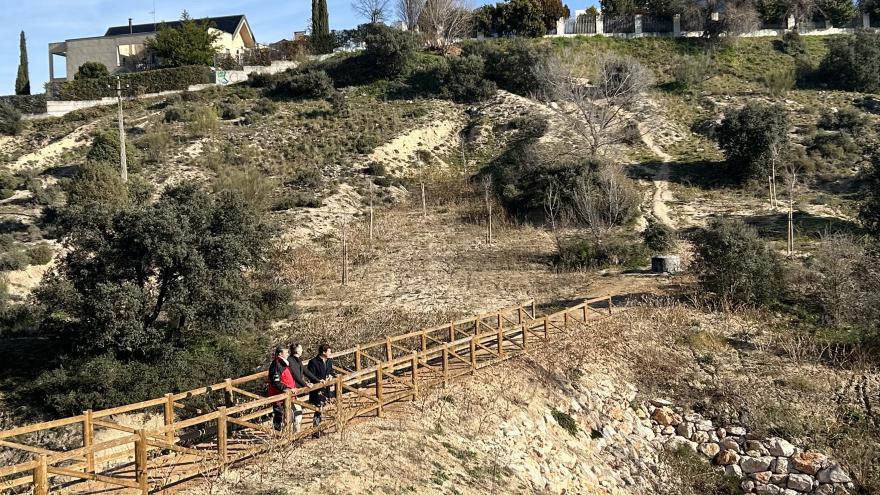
(320, 27)
(22, 80)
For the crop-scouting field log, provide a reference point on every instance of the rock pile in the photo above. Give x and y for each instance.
(767, 465)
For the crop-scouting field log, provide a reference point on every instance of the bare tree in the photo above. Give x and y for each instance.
(409, 12)
(374, 11)
(603, 200)
(596, 109)
(721, 17)
(445, 21)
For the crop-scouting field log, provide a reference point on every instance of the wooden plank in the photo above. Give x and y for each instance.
(109, 444)
(110, 480)
(128, 408)
(17, 468)
(159, 444)
(20, 481)
(26, 448)
(47, 425)
(253, 426)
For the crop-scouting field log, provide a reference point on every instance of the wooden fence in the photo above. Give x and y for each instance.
(209, 428)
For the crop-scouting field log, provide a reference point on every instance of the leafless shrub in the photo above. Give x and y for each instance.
(445, 21)
(604, 200)
(409, 12)
(596, 109)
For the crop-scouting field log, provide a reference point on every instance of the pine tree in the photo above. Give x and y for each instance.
(321, 40)
(22, 80)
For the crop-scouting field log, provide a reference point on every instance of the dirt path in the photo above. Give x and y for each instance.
(662, 194)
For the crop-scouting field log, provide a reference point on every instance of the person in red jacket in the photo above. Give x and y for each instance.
(280, 379)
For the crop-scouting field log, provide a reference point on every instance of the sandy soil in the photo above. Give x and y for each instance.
(399, 154)
(39, 157)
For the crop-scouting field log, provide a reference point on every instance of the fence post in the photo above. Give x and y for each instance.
(477, 326)
(340, 403)
(676, 25)
(560, 26)
(379, 412)
(288, 410)
(525, 337)
(473, 353)
(424, 340)
(140, 461)
(519, 317)
(565, 320)
(445, 366)
(41, 476)
(88, 435)
(533, 310)
(600, 25)
(609, 305)
(228, 398)
(585, 312)
(357, 358)
(638, 25)
(500, 343)
(388, 352)
(546, 330)
(866, 20)
(415, 371)
(169, 416)
(221, 436)
(451, 331)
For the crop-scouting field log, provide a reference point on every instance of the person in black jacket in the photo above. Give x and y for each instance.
(303, 378)
(321, 367)
(279, 380)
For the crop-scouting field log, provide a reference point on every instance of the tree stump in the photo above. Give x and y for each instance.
(665, 264)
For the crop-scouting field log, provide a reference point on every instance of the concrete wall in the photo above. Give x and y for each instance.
(224, 78)
(101, 49)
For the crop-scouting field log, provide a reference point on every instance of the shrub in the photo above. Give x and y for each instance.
(691, 71)
(846, 119)
(202, 121)
(175, 113)
(297, 199)
(793, 44)
(565, 421)
(869, 213)
(28, 104)
(105, 149)
(10, 120)
(733, 263)
(265, 106)
(230, 111)
(659, 237)
(692, 475)
(584, 253)
(852, 63)
(40, 254)
(752, 138)
(463, 80)
(14, 258)
(389, 52)
(778, 81)
(260, 80)
(154, 143)
(307, 83)
(250, 184)
(92, 70)
(151, 81)
(511, 66)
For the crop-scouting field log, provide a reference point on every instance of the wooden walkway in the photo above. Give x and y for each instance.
(207, 429)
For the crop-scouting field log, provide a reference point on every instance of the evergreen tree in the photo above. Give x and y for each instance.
(321, 39)
(23, 80)
(190, 43)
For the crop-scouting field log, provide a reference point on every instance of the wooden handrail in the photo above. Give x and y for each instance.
(463, 349)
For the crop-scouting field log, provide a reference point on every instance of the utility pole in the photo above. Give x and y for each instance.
(123, 166)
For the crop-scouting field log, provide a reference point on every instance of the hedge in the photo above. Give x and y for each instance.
(33, 104)
(151, 81)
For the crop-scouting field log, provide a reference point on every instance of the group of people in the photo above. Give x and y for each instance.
(287, 372)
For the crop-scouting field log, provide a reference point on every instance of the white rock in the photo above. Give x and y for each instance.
(768, 489)
(755, 464)
(736, 431)
(800, 482)
(733, 470)
(779, 447)
(833, 474)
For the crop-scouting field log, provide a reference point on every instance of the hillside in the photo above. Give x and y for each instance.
(315, 167)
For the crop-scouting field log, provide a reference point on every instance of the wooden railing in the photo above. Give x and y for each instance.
(370, 377)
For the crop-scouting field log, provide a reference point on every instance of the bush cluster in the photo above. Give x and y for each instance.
(586, 253)
(28, 104)
(301, 83)
(734, 264)
(852, 63)
(752, 138)
(463, 79)
(151, 81)
(511, 65)
(10, 120)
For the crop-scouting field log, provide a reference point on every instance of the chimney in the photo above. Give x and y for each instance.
(130, 29)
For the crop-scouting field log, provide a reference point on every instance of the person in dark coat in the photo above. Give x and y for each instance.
(302, 377)
(279, 380)
(321, 367)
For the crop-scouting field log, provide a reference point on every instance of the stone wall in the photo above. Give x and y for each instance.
(767, 465)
